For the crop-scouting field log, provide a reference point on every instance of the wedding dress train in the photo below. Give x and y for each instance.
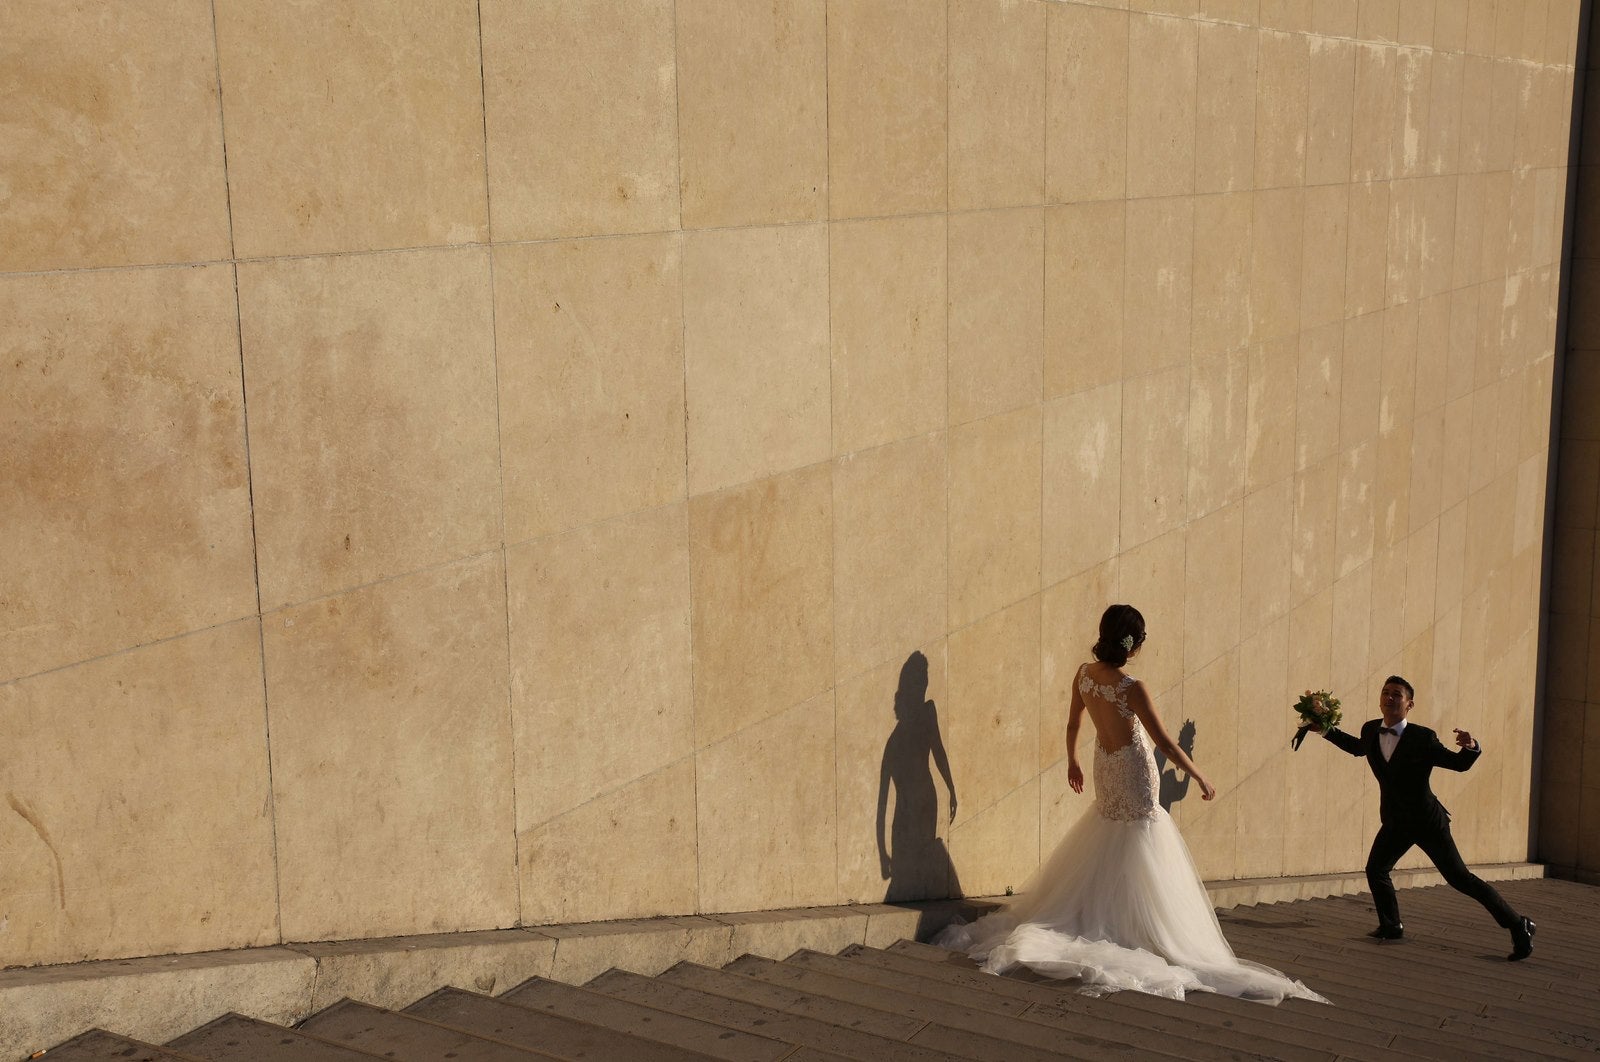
(1119, 903)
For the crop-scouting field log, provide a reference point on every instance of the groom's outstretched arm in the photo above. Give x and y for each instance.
(1348, 742)
(1458, 759)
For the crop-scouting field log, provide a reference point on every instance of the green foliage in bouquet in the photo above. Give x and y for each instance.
(1319, 710)
(1319, 707)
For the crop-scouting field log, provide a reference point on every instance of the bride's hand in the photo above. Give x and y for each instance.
(1075, 777)
(1207, 790)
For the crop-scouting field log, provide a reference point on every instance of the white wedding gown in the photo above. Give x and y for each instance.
(1119, 904)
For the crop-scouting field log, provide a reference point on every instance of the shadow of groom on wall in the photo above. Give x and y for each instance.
(913, 858)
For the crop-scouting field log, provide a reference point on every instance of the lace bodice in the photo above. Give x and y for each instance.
(1127, 785)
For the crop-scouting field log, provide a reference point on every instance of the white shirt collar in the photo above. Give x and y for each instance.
(1399, 728)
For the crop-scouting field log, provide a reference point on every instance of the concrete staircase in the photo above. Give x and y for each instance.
(1445, 992)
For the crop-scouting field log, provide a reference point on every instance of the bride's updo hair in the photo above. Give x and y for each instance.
(1121, 634)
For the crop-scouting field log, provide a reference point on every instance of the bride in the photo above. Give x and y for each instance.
(1119, 904)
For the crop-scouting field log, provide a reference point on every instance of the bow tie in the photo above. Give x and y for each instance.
(1387, 730)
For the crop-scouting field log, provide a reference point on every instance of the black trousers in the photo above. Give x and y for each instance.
(1393, 842)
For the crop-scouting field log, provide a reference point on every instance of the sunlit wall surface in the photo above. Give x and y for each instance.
(469, 463)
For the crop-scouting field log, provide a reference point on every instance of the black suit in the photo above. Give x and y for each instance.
(1412, 815)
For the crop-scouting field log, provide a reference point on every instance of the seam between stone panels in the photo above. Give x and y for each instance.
(500, 475)
(682, 248)
(255, 544)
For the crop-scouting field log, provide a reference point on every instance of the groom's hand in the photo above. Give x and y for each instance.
(1465, 740)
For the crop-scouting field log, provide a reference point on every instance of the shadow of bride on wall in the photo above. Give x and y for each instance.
(913, 858)
(1174, 789)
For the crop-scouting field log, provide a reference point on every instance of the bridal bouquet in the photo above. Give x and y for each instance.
(1319, 710)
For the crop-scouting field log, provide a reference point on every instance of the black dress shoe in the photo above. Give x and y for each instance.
(1521, 938)
(1388, 933)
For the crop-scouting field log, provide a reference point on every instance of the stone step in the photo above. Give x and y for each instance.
(1160, 1036)
(849, 1015)
(1435, 1011)
(715, 1041)
(550, 1034)
(235, 1038)
(1449, 929)
(767, 1021)
(97, 1045)
(1293, 1022)
(407, 1037)
(1006, 1038)
(1415, 1043)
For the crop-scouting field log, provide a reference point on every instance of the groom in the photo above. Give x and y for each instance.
(1402, 755)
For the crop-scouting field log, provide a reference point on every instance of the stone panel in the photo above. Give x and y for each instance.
(370, 382)
(1213, 578)
(628, 852)
(168, 761)
(110, 541)
(1223, 241)
(1158, 296)
(1356, 501)
(1442, 148)
(113, 143)
(752, 112)
(1069, 626)
(1330, 110)
(1086, 143)
(995, 499)
(761, 564)
(1151, 578)
(766, 816)
(1154, 471)
(1085, 256)
(997, 103)
(1316, 508)
(1277, 245)
(589, 349)
(1219, 395)
(1262, 768)
(887, 293)
(1268, 538)
(1282, 87)
(755, 352)
(1366, 261)
(1082, 482)
(1377, 101)
(564, 159)
(996, 279)
(1308, 781)
(1270, 423)
(1319, 384)
(1209, 719)
(352, 128)
(1324, 255)
(1162, 67)
(991, 717)
(887, 98)
(392, 757)
(1225, 108)
(997, 850)
(889, 551)
(600, 659)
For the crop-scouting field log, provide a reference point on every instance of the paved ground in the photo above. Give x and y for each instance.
(1445, 992)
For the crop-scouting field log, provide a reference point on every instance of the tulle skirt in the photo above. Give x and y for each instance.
(1120, 905)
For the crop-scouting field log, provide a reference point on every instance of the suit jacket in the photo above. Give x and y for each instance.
(1405, 797)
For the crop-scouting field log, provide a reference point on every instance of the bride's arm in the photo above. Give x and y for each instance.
(1074, 722)
(1139, 701)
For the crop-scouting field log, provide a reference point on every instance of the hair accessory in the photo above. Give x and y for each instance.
(1127, 643)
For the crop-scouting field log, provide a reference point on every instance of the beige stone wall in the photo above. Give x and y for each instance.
(478, 463)
(1569, 782)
